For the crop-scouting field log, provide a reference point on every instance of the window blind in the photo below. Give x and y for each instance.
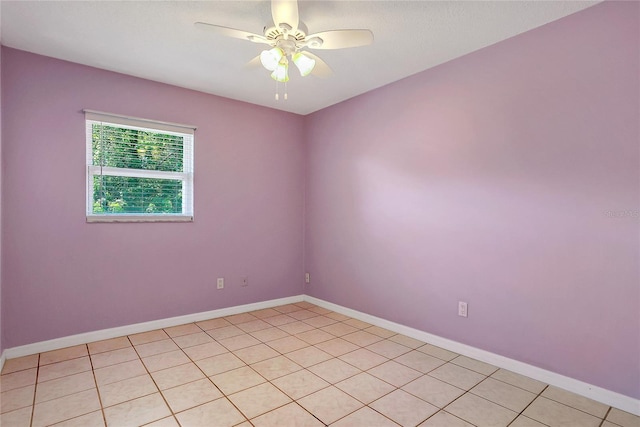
(138, 169)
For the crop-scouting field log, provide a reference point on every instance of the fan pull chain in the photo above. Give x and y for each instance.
(286, 96)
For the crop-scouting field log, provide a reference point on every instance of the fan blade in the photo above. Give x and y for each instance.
(254, 63)
(321, 69)
(285, 12)
(232, 32)
(339, 39)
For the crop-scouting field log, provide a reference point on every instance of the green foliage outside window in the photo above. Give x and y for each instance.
(136, 149)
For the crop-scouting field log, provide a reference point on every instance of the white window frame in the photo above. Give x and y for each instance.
(185, 131)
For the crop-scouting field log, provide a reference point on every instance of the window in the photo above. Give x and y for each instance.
(138, 170)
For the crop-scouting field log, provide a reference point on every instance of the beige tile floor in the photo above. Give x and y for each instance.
(293, 365)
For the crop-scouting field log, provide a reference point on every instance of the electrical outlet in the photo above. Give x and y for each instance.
(307, 278)
(462, 309)
(245, 281)
(220, 282)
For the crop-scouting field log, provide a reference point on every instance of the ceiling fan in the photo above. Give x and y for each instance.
(289, 41)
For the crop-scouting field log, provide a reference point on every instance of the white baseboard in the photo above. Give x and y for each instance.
(104, 334)
(590, 391)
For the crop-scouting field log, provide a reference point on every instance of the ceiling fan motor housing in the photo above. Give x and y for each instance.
(274, 33)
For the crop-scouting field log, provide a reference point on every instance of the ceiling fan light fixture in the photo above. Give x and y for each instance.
(281, 73)
(304, 63)
(271, 58)
(288, 40)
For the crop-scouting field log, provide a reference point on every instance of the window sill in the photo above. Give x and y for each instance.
(139, 218)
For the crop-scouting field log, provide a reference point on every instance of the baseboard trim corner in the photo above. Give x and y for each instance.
(590, 391)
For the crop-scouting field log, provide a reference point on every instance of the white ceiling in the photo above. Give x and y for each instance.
(158, 41)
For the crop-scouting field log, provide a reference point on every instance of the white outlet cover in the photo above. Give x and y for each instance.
(462, 309)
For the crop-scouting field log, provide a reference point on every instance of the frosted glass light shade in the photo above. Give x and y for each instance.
(304, 63)
(270, 58)
(280, 74)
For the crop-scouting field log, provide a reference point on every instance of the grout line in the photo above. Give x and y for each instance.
(305, 409)
(496, 403)
(35, 389)
(530, 403)
(152, 379)
(59, 378)
(457, 398)
(95, 381)
(605, 417)
(577, 409)
(513, 385)
(374, 409)
(452, 415)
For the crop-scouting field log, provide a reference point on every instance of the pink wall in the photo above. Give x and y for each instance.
(488, 180)
(62, 276)
(1, 346)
